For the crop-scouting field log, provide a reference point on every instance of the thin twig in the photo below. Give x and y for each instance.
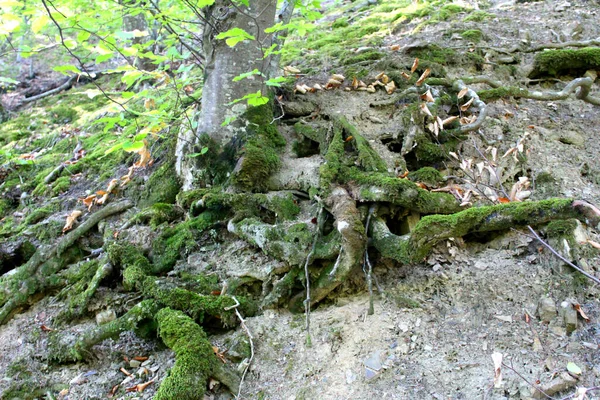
(557, 254)
(307, 277)
(525, 379)
(245, 328)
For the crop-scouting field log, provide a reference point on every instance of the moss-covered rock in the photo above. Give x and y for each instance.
(427, 175)
(554, 63)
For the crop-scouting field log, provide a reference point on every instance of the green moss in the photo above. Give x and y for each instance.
(473, 35)
(180, 239)
(39, 214)
(60, 185)
(561, 228)
(502, 92)
(62, 114)
(555, 63)
(435, 53)
(162, 212)
(194, 357)
(368, 158)
(427, 175)
(367, 55)
(328, 172)
(478, 16)
(341, 22)
(260, 159)
(162, 187)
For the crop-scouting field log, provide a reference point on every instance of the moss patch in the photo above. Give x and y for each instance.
(555, 63)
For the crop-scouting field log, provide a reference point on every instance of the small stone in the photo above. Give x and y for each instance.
(134, 363)
(374, 361)
(571, 137)
(546, 309)
(561, 383)
(106, 316)
(350, 377)
(569, 317)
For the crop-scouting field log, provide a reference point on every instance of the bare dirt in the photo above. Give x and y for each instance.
(437, 324)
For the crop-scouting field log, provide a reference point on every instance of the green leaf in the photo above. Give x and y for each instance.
(114, 148)
(247, 75)
(8, 80)
(573, 368)
(104, 57)
(234, 36)
(202, 152)
(67, 68)
(39, 22)
(228, 120)
(276, 81)
(140, 137)
(131, 147)
(82, 36)
(256, 99)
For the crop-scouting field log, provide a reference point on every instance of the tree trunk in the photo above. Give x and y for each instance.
(223, 63)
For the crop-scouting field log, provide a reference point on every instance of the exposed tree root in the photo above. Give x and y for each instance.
(349, 224)
(41, 269)
(432, 229)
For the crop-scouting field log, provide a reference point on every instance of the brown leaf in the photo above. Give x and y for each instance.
(46, 329)
(425, 110)
(594, 244)
(338, 77)
(149, 104)
(354, 83)
(405, 75)
(88, 201)
(300, 89)
(123, 370)
(466, 106)
(581, 312)
(145, 158)
(113, 391)
(349, 138)
(503, 200)
(424, 76)
(390, 87)
(414, 66)
(427, 97)
(462, 93)
(71, 218)
(395, 47)
(140, 358)
(380, 75)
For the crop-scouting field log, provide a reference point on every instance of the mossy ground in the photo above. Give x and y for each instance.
(333, 45)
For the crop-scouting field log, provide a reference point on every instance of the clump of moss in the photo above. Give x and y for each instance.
(341, 22)
(367, 55)
(427, 175)
(564, 61)
(478, 16)
(260, 159)
(62, 114)
(474, 35)
(194, 357)
(561, 228)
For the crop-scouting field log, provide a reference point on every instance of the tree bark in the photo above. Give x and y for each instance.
(223, 63)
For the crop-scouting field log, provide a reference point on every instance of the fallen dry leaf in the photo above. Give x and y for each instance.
(466, 106)
(88, 201)
(414, 66)
(497, 358)
(594, 244)
(424, 76)
(427, 97)
(581, 312)
(395, 47)
(462, 93)
(425, 110)
(71, 218)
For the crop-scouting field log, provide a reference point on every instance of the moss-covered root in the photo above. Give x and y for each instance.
(368, 158)
(62, 352)
(559, 62)
(195, 360)
(435, 228)
(349, 225)
(39, 272)
(78, 302)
